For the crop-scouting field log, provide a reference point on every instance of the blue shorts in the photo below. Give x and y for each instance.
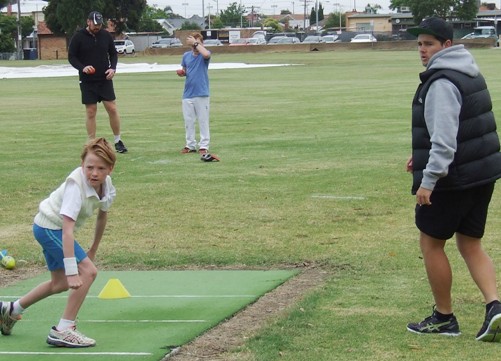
(462, 211)
(52, 244)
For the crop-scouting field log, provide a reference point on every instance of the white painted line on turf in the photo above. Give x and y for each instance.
(77, 353)
(154, 296)
(143, 321)
(330, 196)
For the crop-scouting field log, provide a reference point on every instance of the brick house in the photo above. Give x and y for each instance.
(53, 47)
(50, 46)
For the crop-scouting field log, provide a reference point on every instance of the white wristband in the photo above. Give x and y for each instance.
(70, 266)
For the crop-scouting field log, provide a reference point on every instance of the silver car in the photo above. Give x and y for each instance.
(167, 43)
(312, 39)
(213, 42)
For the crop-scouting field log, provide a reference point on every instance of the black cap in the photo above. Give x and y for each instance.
(437, 27)
(96, 17)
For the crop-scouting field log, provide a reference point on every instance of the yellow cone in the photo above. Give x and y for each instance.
(113, 289)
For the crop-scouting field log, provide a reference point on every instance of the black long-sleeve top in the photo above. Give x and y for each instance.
(99, 51)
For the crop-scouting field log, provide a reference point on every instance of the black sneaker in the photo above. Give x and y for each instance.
(120, 147)
(431, 325)
(491, 329)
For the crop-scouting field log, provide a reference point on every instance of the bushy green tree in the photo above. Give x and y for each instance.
(463, 9)
(272, 23)
(148, 19)
(64, 17)
(188, 25)
(8, 30)
(7, 44)
(232, 15)
(217, 23)
(333, 20)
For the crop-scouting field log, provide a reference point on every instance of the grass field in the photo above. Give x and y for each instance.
(313, 170)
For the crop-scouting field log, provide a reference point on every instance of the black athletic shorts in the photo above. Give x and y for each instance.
(94, 92)
(457, 211)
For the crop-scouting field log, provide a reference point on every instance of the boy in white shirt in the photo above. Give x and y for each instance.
(86, 189)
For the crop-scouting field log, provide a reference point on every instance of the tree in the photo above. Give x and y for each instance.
(232, 15)
(313, 14)
(187, 25)
(463, 9)
(333, 21)
(64, 17)
(372, 8)
(272, 23)
(217, 23)
(148, 19)
(8, 30)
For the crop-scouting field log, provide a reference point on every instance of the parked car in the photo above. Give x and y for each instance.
(213, 42)
(256, 41)
(330, 39)
(275, 39)
(483, 32)
(124, 47)
(312, 39)
(259, 34)
(364, 38)
(289, 40)
(167, 43)
(239, 42)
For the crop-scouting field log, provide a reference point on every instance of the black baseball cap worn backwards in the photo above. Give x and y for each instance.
(437, 27)
(96, 17)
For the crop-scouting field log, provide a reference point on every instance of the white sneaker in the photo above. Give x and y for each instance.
(69, 338)
(7, 321)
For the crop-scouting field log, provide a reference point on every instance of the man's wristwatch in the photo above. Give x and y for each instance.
(195, 44)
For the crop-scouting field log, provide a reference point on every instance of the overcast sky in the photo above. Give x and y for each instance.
(188, 8)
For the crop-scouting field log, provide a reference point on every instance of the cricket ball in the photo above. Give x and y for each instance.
(91, 70)
(180, 72)
(8, 262)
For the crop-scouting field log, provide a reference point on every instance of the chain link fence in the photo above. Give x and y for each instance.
(11, 56)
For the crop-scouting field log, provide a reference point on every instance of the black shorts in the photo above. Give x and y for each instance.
(94, 92)
(463, 211)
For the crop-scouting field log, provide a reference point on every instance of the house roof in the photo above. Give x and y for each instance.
(26, 6)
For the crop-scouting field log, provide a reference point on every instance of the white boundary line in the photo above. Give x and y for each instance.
(154, 296)
(46, 71)
(78, 353)
(143, 321)
(330, 196)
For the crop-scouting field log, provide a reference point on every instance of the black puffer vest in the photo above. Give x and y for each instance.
(477, 160)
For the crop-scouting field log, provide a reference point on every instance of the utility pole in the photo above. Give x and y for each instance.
(304, 17)
(203, 12)
(19, 33)
(339, 10)
(316, 16)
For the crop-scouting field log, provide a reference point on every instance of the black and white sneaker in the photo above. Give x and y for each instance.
(120, 147)
(432, 325)
(7, 319)
(491, 329)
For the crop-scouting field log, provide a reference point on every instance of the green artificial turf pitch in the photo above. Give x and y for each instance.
(166, 309)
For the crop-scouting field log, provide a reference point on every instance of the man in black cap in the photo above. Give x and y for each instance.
(455, 163)
(92, 52)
